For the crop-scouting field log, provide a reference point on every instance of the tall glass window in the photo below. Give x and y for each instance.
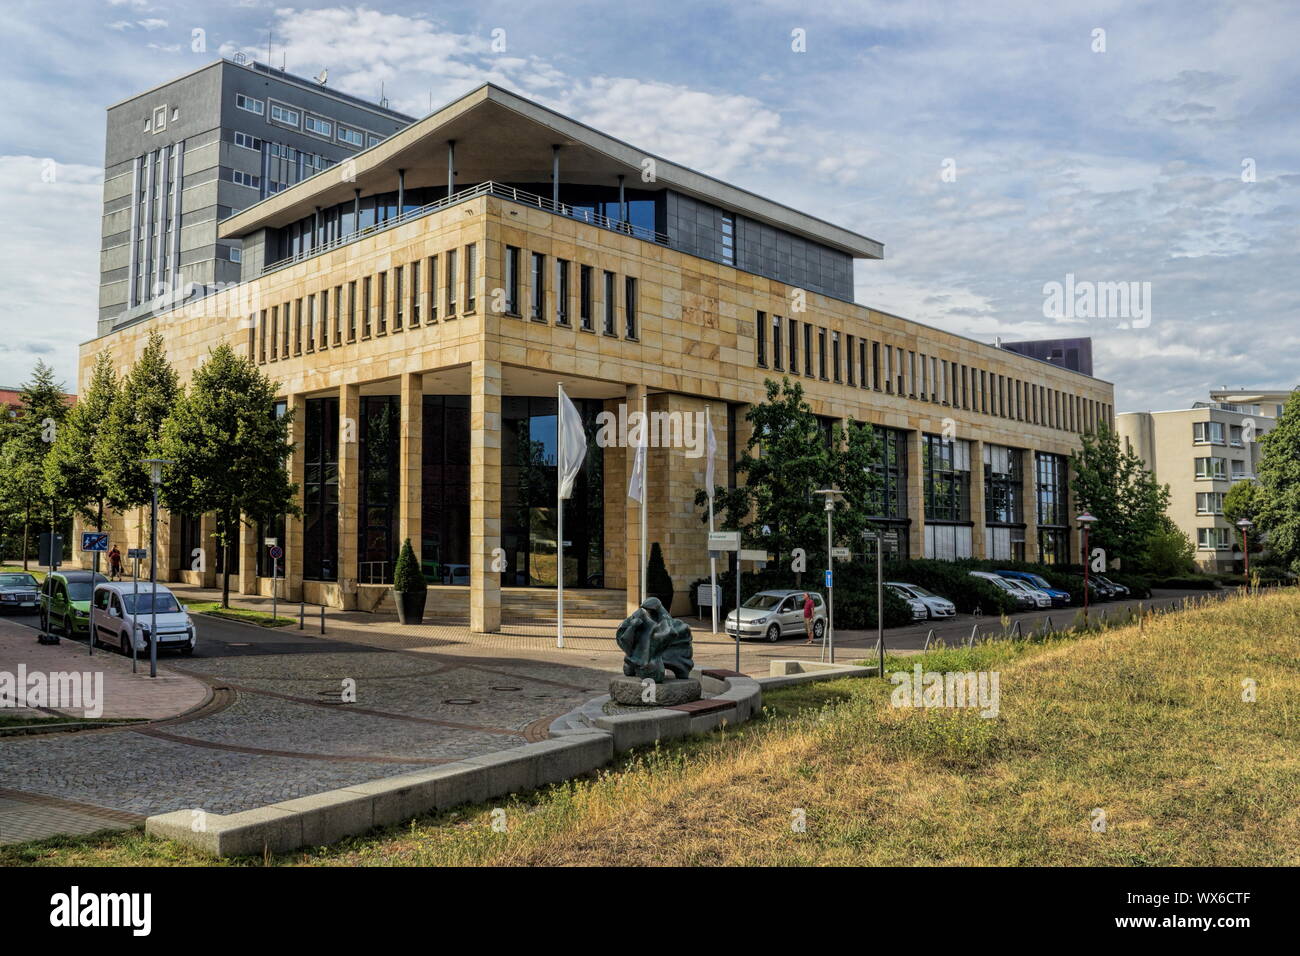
(537, 310)
(444, 515)
(890, 503)
(320, 522)
(528, 498)
(1053, 508)
(1004, 529)
(378, 453)
(947, 478)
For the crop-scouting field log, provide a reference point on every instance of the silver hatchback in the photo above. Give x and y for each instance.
(777, 614)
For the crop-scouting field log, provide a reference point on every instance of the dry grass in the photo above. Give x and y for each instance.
(1149, 726)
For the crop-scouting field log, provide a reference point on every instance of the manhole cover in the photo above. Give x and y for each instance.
(507, 688)
(460, 700)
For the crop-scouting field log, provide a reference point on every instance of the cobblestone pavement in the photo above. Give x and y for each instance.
(278, 728)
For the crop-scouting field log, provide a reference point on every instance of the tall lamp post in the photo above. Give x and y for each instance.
(1245, 524)
(155, 479)
(879, 535)
(1085, 521)
(831, 494)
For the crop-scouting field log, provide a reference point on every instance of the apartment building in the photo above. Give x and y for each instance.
(419, 313)
(1200, 453)
(186, 154)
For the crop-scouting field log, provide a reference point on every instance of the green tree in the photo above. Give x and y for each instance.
(1114, 485)
(229, 450)
(1277, 498)
(1242, 501)
(27, 441)
(133, 432)
(790, 454)
(1169, 552)
(72, 468)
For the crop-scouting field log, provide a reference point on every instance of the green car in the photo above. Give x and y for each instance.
(65, 601)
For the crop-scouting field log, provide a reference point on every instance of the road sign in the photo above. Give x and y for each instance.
(753, 554)
(724, 541)
(842, 554)
(137, 554)
(708, 596)
(271, 542)
(94, 541)
(828, 579)
(276, 552)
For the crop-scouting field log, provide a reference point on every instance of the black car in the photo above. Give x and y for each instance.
(19, 591)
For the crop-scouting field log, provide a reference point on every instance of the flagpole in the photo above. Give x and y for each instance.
(713, 562)
(559, 516)
(645, 488)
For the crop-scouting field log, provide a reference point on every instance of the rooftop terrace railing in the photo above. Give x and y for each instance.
(499, 190)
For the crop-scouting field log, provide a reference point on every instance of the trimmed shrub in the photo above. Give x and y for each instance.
(1185, 583)
(407, 577)
(658, 583)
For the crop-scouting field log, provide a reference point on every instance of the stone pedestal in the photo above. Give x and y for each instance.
(629, 691)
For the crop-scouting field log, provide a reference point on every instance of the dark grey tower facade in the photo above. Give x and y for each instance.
(182, 156)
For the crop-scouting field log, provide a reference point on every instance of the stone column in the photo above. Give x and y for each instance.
(349, 492)
(977, 543)
(411, 456)
(915, 496)
(485, 494)
(248, 551)
(1029, 501)
(632, 508)
(293, 527)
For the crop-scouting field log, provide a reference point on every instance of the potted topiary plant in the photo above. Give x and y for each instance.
(657, 582)
(409, 588)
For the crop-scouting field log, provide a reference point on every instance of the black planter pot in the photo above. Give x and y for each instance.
(410, 606)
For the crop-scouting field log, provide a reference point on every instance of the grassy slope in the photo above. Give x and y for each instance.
(1149, 726)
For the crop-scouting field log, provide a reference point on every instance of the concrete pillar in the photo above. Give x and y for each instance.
(451, 167)
(485, 494)
(411, 455)
(248, 551)
(1029, 501)
(632, 536)
(915, 496)
(349, 492)
(293, 527)
(977, 499)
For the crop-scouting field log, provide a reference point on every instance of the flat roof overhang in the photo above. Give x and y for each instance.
(503, 137)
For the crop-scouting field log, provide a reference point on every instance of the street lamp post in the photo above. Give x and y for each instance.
(880, 601)
(155, 479)
(1085, 521)
(1245, 524)
(829, 646)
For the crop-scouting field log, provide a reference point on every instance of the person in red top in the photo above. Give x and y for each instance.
(114, 564)
(808, 616)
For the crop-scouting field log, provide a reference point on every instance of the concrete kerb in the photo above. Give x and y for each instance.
(589, 740)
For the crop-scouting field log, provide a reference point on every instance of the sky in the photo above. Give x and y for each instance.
(1000, 151)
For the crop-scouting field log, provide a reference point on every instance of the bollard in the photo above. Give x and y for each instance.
(1019, 633)
(322, 618)
(928, 638)
(974, 629)
(302, 614)
(1051, 628)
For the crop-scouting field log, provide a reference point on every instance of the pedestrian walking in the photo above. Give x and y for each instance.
(808, 616)
(115, 564)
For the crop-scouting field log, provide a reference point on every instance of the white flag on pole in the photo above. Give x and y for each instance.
(636, 486)
(572, 451)
(711, 444)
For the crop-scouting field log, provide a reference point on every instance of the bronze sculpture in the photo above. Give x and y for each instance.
(652, 641)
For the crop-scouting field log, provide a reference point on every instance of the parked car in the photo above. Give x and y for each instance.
(933, 604)
(1041, 598)
(65, 601)
(919, 612)
(118, 611)
(776, 614)
(19, 591)
(1022, 597)
(1097, 591)
(1121, 591)
(1059, 598)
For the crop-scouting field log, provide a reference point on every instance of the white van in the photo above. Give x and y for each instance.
(116, 608)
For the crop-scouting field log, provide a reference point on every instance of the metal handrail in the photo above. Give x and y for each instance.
(489, 188)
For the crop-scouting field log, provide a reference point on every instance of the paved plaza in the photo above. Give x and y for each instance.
(263, 715)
